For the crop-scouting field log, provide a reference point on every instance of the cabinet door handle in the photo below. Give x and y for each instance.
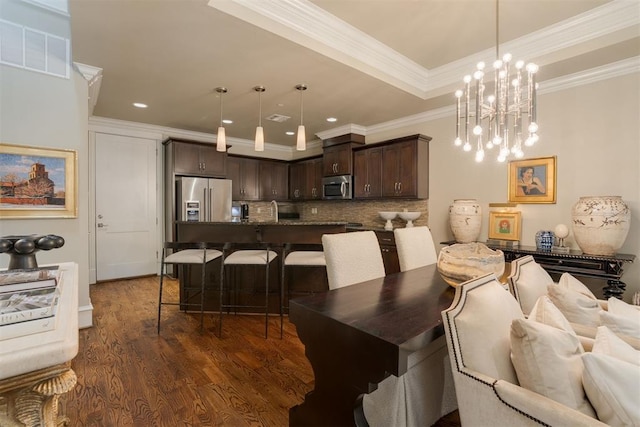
(399, 188)
(204, 166)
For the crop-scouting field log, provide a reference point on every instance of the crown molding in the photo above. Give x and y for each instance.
(342, 130)
(93, 75)
(304, 23)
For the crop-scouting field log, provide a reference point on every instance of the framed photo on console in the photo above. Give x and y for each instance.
(504, 225)
(532, 180)
(37, 182)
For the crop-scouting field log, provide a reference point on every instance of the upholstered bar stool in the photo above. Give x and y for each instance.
(192, 253)
(299, 255)
(245, 255)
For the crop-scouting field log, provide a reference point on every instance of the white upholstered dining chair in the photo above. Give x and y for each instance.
(415, 247)
(352, 258)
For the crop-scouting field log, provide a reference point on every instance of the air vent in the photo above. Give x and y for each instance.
(278, 118)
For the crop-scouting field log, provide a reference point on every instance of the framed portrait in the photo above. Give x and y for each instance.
(37, 182)
(532, 180)
(504, 225)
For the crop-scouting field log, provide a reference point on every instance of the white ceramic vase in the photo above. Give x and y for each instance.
(600, 224)
(465, 219)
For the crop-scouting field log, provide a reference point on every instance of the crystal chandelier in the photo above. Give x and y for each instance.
(499, 118)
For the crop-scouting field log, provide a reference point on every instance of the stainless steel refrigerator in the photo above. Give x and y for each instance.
(203, 199)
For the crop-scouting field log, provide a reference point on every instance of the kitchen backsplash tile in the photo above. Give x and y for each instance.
(359, 211)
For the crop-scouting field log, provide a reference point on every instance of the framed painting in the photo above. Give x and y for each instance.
(532, 180)
(37, 182)
(504, 225)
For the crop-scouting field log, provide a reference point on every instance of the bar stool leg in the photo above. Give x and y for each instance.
(266, 300)
(162, 267)
(204, 275)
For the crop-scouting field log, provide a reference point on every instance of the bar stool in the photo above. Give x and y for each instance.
(246, 254)
(302, 256)
(182, 253)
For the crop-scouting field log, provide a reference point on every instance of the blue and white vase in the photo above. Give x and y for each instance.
(544, 240)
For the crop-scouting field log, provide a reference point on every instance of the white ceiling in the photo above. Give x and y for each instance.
(365, 62)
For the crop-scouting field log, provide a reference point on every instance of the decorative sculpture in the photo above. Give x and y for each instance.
(22, 249)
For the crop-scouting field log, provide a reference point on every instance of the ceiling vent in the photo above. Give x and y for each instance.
(278, 118)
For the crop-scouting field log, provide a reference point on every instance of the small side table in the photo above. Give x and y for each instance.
(609, 268)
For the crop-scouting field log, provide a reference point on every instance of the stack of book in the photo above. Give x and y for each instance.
(28, 301)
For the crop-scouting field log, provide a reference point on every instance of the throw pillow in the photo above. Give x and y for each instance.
(620, 324)
(576, 307)
(612, 386)
(548, 361)
(610, 344)
(545, 312)
(531, 283)
(570, 282)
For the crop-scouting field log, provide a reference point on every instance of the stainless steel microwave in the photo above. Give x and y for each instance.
(337, 187)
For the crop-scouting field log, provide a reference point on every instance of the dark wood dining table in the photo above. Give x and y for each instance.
(358, 335)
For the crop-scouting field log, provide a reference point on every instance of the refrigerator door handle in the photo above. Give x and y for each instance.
(204, 205)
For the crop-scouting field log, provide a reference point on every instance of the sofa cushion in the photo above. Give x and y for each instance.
(545, 312)
(531, 283)
(620, 324)
(613, 387)
(548, 361)
(576, 307)
(608, 343)
(569, 282)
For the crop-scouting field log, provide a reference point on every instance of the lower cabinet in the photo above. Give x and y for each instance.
(389, 252)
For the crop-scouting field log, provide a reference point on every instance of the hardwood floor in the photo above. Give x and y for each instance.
(128, 375)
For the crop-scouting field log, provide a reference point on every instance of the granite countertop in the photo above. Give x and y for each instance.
(281, 222)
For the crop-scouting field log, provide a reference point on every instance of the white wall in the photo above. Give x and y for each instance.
(45, 111)
(594, 132)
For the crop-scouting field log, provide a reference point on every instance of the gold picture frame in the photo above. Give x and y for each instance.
(38, 182)
(532, 180)
(504, 225)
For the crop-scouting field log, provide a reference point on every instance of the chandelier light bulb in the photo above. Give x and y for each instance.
(519, 65)
(459, 93)
(457, 142)
(532, 68)
(489, 145)
(478, 75)
(497, 141)
(497, 64)
(479, 155)
(491, 99)
(467, 146)
(480, 65)
(507, 57)
(467, 78)
(533, 127)
(477, 130)
(502, 158)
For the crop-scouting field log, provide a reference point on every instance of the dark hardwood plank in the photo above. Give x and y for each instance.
(128, 375)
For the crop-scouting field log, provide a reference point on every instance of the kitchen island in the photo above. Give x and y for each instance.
(251, 278)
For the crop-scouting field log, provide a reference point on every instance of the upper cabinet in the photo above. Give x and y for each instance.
(305, 179)
(274, 180)
(405, 165)
(397, 168)
(367, 173)
(243, 172)
(337, 154)
(197, 159)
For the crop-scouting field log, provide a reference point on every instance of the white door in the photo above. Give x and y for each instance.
(126, 212)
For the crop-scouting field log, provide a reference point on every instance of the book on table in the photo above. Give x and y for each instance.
(28, 295)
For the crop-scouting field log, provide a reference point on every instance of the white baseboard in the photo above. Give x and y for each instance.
(85, 316)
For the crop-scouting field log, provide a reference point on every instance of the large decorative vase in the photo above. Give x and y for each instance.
(465, 219)
(600, 224)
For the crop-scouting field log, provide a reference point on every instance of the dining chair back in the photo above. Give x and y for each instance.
(415, 247)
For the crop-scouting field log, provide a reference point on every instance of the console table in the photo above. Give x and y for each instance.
(577, 263)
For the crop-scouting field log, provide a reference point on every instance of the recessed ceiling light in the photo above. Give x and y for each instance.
(332, 119)
(290, 133)
(227, 121)
(140, 105)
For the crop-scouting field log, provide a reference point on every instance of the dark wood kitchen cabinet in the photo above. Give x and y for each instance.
(367, 173)
(313, 179)
(297, 180)
(274, 180)
(337, 160)
(305, 182)
(406, 167)
(244, 172)
(190, 158)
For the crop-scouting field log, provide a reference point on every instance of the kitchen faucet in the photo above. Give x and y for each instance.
(274, 209)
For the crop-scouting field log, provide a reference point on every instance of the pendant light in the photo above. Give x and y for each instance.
(301, 142)
(221, 139)
(259, 145)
